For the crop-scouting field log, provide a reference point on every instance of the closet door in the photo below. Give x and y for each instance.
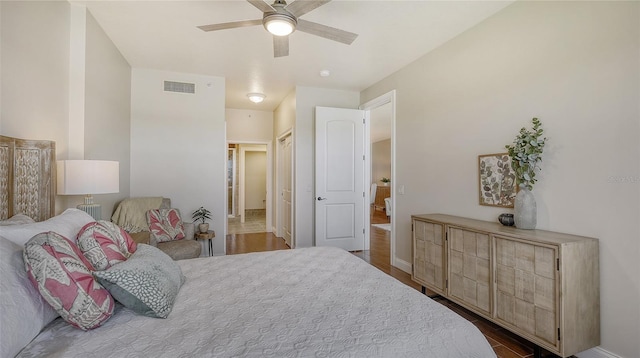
(469, 269)
(428, 257)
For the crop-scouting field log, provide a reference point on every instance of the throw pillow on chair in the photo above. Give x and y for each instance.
(165, 224)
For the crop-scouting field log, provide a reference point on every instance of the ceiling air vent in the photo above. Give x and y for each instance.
(180, 87)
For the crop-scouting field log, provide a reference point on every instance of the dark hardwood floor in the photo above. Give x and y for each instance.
(504, 343)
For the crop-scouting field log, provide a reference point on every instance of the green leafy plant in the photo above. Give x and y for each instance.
(201, 214)
(385, 180)
(525, 154)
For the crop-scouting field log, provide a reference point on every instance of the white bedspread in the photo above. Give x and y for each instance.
(317, 302)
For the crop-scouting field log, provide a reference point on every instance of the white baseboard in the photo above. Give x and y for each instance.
(402, 265)
(597, 352)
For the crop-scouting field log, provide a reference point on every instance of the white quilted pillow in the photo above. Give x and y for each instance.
(22, 309)
(66, 224)
(17, 219)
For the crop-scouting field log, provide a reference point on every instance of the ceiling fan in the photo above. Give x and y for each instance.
(281, 20)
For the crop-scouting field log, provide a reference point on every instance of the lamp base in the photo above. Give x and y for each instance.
(95, 210)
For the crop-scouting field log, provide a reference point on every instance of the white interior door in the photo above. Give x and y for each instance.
(340, 190)
(286, 194)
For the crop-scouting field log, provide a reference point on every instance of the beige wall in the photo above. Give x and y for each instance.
(35, 71)
(107, 109)
(255, 180)
(284, 118)
(248, 125)
(36, 44)
(576, 66)
(380, 161)
(178, 144)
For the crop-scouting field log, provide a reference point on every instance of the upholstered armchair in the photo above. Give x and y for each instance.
(132, 215)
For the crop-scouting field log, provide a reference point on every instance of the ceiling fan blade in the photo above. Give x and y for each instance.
(280, 46)
(262, 6)
(327, 32)
(230, 25)
(301, 7)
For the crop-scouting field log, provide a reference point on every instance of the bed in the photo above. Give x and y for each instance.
(309, 302)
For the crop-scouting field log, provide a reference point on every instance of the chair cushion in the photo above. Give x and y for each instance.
(62, 275)
(165, 224)
(182, 249)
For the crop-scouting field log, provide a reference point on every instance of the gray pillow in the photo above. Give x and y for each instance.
(147, 283)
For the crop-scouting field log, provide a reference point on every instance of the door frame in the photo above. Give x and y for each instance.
(279, 209)
(387, 98)
(234, 176)
(268, 204)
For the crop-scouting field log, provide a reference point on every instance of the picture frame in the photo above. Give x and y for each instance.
(496, 180)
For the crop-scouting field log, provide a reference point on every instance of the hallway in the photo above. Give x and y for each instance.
(255, 221)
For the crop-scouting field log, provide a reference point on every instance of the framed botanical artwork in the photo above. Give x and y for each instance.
(497, 180)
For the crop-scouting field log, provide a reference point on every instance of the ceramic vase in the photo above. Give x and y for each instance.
(525, 209)
(203, 227)
(506, 219)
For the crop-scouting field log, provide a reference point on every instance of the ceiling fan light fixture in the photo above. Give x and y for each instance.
(279, 24)
(256, 97)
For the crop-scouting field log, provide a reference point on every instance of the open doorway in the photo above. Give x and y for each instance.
(248, 185)
(382, 165)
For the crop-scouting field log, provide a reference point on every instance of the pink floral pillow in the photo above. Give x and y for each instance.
(61, 274)
(165, 224)
(105, 244)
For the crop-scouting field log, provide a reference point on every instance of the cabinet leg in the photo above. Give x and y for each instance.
(536, 352)
(424, 290)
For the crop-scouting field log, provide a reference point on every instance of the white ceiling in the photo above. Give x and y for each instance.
(163, 35)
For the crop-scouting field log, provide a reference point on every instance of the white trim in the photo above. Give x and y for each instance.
(402, 264)
(279, 209)
(389, 97)
(597, 352)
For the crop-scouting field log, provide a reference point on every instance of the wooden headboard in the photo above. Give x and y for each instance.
(27, 178)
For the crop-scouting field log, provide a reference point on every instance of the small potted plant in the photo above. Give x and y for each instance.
(202, 215)
(385, 181)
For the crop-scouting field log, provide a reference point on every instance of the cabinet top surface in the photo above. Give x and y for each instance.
(499, 229)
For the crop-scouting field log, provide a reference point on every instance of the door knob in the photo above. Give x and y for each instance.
(321, 198)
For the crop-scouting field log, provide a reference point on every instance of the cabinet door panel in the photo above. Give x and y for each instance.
(522, 284)
(428, 260)
(469, 268)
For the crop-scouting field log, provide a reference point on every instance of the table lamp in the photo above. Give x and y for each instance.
(88, 177)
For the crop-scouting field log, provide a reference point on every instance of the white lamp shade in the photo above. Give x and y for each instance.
(82, 177)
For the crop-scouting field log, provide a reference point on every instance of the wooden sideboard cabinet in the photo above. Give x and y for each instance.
(541, 285)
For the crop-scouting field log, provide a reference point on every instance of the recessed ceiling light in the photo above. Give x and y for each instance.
(256, 97)
(325, 73)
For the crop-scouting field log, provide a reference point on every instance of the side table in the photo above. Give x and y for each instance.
(209, 235)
